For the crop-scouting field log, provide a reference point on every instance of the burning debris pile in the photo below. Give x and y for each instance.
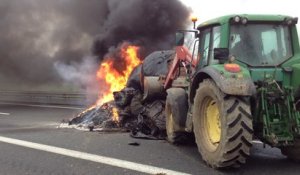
(126, 37)
(96, 118)
(128, 108)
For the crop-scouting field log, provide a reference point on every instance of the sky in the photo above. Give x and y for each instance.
(208, 9)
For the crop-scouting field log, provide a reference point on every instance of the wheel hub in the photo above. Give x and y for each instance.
(212, 118)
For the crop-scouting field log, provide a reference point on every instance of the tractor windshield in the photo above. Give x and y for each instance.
(260, 44)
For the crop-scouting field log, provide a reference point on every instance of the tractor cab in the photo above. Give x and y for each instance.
(260, 43)
(254, 40)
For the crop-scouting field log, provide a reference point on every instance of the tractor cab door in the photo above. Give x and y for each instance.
(192, 44)
(208, 41)
(187, 48)
(195, 51)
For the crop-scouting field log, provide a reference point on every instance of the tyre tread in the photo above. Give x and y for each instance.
(239, 133)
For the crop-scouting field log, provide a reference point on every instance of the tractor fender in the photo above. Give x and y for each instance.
(229, 85)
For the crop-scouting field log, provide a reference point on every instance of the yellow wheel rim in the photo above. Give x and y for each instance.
(212, 123)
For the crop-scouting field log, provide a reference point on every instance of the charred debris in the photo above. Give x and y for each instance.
(142, 116)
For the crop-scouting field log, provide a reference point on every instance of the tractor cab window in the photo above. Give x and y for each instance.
(260, 44)
(192, 45)
(204, 46)
(209, 39)
(195, 52)
(216, 38)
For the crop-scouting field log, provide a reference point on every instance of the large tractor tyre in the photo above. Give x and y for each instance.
(222, 126)
(176, 112)
(292, 152)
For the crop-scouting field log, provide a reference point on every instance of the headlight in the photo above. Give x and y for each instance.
(237, 19)
(244, 21)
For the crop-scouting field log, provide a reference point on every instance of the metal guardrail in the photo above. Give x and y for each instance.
(43, 97)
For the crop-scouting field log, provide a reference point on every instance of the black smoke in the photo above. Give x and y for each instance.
(150, 24)
(39, 37)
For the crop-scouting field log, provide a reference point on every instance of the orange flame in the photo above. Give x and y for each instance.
(115, 116)
(112, 79)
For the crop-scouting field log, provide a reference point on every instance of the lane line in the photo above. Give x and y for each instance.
(257, 141)
(3, 113)
(92, 157)
(44, 106)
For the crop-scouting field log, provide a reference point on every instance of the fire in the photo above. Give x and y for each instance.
(112, 79)
(115, 116)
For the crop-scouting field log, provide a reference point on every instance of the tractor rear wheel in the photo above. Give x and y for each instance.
(222, 126)
(176, 112)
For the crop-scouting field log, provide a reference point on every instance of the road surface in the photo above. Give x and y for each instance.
(31, 143)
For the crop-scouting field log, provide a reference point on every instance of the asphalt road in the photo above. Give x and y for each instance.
(38, 127)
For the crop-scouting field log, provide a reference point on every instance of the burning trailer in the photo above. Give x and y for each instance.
(135, 107)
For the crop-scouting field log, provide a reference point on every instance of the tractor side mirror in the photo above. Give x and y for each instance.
(179, 38)
(221, 54)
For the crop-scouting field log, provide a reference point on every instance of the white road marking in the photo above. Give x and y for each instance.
(44, 106)
(257, 141)
(92, 157)
(3, 113)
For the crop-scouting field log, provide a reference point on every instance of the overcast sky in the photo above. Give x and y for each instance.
(208, 9)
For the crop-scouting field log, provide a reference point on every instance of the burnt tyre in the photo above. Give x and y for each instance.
(176, 111)
(222, 126)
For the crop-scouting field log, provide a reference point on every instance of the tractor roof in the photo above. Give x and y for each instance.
(256, 17)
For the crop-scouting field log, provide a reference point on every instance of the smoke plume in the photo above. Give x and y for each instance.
(150, 24)
(49, 41)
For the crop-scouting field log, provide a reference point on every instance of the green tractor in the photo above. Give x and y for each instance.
(243, 86)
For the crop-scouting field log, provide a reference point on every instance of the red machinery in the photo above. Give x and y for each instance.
(184, 57)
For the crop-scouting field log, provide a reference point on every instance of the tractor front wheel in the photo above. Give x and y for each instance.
(222, 126)
(176, 112)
